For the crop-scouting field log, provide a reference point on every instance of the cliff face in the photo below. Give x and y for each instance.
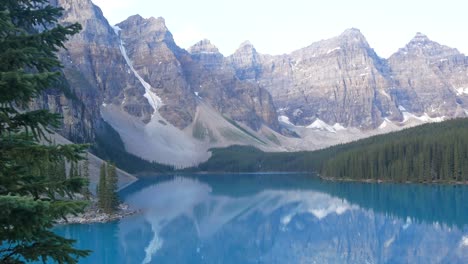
(95, 74)
(215, 79)
(430, 78)
(342, 80)
(182, 78)
(156, 58)
(105, 65)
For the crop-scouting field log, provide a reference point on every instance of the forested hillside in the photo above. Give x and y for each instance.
(250, 159)
(428, 153)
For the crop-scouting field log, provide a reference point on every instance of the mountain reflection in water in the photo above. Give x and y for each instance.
(281, 218)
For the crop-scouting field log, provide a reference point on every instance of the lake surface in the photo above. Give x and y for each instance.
(281, 218)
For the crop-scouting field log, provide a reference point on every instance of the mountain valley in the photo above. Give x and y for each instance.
(170, 105)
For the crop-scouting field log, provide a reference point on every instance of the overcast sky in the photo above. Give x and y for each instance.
(277, 27)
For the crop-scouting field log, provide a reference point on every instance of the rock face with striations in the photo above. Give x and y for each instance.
(155, 56)
(95, 73)
(182, 77)
(342, 80)
(430, 78)
(215, 79)
(247, 61)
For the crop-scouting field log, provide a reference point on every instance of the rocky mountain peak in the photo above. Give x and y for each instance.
(135, 19)
(351, 41)
(246, 61)
(206, 54)
(246, 49)
(246, 45)
(352, 34)
(427, 75)
(420, 45)
(352, 38)
(88, 15)
(151, 28)
(420, 38)
(73, 7)
(421, 41)
(156, 24)
(203, 46)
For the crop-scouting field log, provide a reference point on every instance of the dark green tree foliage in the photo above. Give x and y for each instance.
(60, 171)
(112, 187)
(85, 174)
(29, 38)
(250, 159)
(108, 199)
(72, 172)
(428, 153)
(102, 187)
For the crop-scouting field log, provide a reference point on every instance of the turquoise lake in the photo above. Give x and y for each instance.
(280, 218)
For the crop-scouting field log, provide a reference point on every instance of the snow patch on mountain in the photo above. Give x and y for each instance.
(424, 118)
(427, 118)
(332, 50)
(321, 125)
(154, 100)
(318, 125)
(384, 124)
(285, 120)
(116, 29)
(462, 91)
(338, 127)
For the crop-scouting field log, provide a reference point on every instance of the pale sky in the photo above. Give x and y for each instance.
(277, 27)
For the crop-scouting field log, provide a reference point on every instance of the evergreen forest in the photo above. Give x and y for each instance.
(436, 152)
(427, 153)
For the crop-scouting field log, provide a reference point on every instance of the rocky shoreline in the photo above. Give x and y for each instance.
(95, 215)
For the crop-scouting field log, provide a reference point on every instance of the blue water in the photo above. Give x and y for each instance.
(281, 218)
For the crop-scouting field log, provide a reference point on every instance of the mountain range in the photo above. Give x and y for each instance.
(171, 105)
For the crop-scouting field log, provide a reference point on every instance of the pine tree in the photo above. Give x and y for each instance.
(429, 153)
(112, 186)
(85, 174)
(29, 38)
(71, 172)
(108, 199)
(101, 190)
(61, 170)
